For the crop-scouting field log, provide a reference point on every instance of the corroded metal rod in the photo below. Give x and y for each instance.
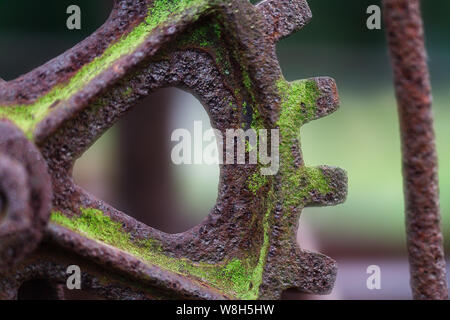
(405, 35)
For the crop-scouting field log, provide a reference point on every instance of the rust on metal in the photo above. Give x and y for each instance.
(26, 196)
(224, 52)
(405, 33)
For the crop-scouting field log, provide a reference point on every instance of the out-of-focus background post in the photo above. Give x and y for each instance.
(130, 165)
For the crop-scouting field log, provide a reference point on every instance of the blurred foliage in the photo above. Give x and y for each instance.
(341, 22)
(50, 16)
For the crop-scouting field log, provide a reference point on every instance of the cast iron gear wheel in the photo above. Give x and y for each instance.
(222, 51)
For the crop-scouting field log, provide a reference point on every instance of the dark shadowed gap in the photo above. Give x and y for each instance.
(293, 294)
(38, 289)
(80, 295)
(3, 207)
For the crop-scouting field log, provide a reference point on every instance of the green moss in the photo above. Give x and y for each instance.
(299, 183)
(237, 273)
(298, 103)
(257, 275)
(25, 117)
(217, 30)
(257, 120)
(247, 82)
(298, 106)
(163, 11)
(209, 37)
(127, 92)
(256, 182)
(199, 37)
(246, 79)
(239, 277)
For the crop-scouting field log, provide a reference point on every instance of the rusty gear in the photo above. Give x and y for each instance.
(223, 51)
(25, 196)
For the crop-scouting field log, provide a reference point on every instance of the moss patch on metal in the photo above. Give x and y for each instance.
(209, 37)
(160, 13)
(238, 277)
(298, 106)
(256, 182)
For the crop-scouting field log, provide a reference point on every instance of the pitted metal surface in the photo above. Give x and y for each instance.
(222, 51)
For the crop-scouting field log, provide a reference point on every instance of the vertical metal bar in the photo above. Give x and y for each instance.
(405, 36)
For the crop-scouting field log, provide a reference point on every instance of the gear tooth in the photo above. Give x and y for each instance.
(314, 273)
(337, 181)
(328, 101)
(284, 17)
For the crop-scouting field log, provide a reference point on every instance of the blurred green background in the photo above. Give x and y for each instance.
(362, 137)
